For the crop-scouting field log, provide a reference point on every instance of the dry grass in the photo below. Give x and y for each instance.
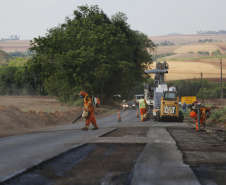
(35, 103)
(213, 46)
(195, 48)
(166, 49)
(24, 114)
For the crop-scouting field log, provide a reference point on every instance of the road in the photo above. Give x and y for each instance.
(126, 152)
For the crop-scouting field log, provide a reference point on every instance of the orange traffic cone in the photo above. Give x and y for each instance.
(137, 113)
(119, 116)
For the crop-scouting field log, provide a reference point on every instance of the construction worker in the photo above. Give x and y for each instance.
(184, 107)
(203, 111)
(90, 108)
(143, 109)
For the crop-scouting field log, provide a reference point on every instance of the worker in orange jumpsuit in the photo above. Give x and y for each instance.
(203, 111)
(88, 107)
(143, 109)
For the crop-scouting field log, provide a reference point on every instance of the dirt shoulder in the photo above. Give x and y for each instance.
(20, 115)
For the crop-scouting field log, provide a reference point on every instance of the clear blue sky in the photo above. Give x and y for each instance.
(32, 18)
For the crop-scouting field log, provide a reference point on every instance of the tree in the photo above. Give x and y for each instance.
(4, 57)
(93, 53)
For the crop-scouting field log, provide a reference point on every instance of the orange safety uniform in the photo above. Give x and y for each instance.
(89, 107)
(143, 110)
(194, 115)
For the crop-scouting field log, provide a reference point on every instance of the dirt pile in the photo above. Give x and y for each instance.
(14, 121)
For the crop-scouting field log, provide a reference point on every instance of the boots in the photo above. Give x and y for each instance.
(95, 127)
(85, 128)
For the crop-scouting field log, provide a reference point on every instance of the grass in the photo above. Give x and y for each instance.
(202, 58)
(219, 116)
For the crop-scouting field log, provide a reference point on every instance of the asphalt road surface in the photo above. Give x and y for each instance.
(126, 152)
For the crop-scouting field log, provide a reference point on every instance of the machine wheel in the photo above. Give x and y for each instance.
(181, 117)
(158, 116)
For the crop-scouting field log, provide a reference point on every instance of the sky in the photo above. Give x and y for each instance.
(32, 18)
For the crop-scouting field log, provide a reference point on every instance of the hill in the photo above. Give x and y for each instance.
(186, 63)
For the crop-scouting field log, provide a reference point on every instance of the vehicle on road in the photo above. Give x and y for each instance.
(137, 97)
(124, 105)
(128, 105)
(131, 104)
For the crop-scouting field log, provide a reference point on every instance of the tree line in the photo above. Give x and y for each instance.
(194, 88)
(211, 32)
(11, 37)
(89, 52)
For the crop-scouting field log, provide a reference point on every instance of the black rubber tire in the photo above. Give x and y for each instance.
(181, 117)
(158, 119)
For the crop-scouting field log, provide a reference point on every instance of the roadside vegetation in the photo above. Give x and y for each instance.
(218, 116)
(194, 88)
(163, 57)
(90, 52)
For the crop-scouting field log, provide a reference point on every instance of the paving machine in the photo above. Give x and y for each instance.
(155, 93)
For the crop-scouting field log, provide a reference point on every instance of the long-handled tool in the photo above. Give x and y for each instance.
(77, 118)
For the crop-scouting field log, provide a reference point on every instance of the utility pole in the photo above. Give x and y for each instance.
(221, 84)
(202, 88)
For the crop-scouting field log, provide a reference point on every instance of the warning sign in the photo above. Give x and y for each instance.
(188, 99)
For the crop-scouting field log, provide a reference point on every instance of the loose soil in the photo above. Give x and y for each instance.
(19, 114)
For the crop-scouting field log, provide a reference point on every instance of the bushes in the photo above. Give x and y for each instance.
(203, 52)
(219, 115)
(217, 52)
(193, 88)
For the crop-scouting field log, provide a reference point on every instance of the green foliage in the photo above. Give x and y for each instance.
(194, 88)
(219, 115)
(20, 54)
(203, 52)
(93, 53)
(16, 79)
(217, 52)
(162, 55)
(18, 62)
(211, 32)
(207, 40)
(165, 43)
(4, 57)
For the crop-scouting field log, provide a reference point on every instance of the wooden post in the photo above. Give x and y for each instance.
(202, 88)
(198, 112)
(221, 84)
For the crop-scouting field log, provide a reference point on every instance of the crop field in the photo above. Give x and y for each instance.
(189, 48)
(190, 66)
(185, 64)
(187, 39)
(195, 48)
(15, 45)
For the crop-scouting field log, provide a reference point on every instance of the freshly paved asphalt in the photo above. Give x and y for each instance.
(160, 162)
